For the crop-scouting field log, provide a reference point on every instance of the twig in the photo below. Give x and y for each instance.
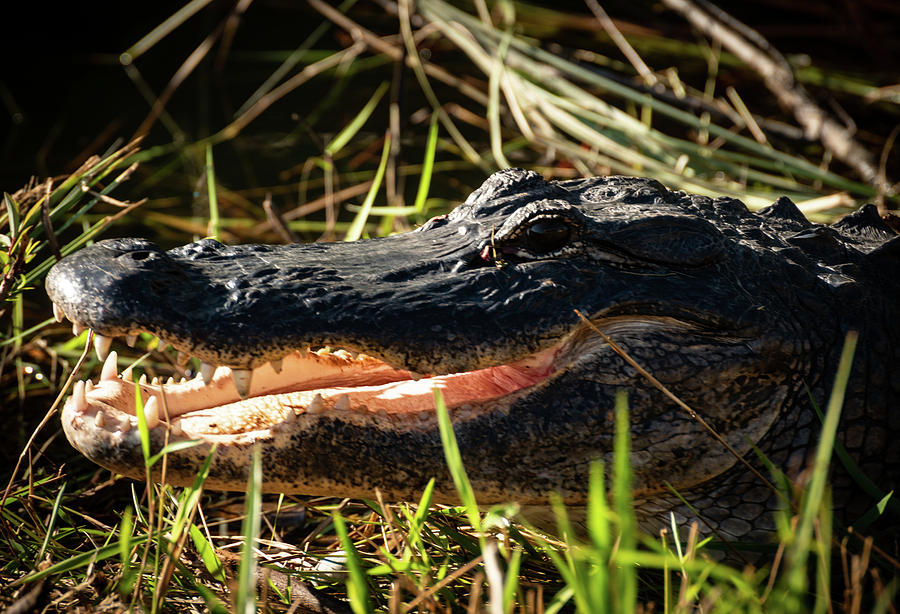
(308, 72)
(672, 396)
(231, 25)
(48, 224)
(307, 600)
(444, 582)
(316, 205)
(277, 222)
(752, 48)
(884, 188)
(17, 255)
(624, 46)
(88, 344)
(420, 67)
(186, 68)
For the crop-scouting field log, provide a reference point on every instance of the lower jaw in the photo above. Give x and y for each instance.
(100, 419)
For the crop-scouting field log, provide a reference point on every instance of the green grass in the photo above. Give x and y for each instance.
(476, 101)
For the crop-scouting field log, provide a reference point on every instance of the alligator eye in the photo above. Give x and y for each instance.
(547, 235)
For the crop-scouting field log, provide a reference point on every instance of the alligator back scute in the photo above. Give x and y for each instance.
(785, 213)
(866, 224)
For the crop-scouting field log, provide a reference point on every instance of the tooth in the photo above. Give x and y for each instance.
(77, 328)
(182, 359)
(101, 345)
(155, 380)
(303, 352)
(81, 403)
(88, 386)
(100, 419)
(343, 403)
(175, 428)
(325, 351)
(125, 425)
(170, 381)
(206, 372)
(128, 374)
(143, 380)
(110, 368)
(317, 405)
(131, 340)
(58, 313)
(276, 365)
(416, 376)
(342, 354)
(151, 412)
(241, 379)
(353, 355)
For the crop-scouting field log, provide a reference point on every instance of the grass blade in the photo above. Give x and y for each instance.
(213, 229)
(245, 597)
(626, 576)
(79, 560)
(126, 532)
(162, 30)
(427, 165)
(359, 222)
(510, 582)
(493, 110)
(142, 425)
(455, 465)
(53, 515)
(796, 574)
(350, 130)
(357, 588)
(207, 554)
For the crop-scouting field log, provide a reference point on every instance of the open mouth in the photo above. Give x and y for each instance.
(224, 403)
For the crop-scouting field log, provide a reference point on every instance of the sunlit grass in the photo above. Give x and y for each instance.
(510, 102)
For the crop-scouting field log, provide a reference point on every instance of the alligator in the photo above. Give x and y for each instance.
(325, 356)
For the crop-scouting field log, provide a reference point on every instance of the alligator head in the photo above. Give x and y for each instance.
(326, 355)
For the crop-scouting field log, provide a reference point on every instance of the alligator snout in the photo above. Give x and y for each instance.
(102, 286)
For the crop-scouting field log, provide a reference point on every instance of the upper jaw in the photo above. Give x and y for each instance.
(208, 312)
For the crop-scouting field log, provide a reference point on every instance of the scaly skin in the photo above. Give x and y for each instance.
(741, 315)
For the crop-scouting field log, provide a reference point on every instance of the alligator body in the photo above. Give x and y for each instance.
(741, 315)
